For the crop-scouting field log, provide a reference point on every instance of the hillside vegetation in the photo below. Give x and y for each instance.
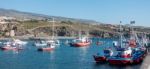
(40, 25)
(63, 28)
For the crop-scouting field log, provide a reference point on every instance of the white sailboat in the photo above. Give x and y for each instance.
(52, 43)
(42, 43)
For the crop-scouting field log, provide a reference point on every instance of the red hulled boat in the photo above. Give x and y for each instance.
(49, 47)
(11, 46)
(130, 51)
(103, 58)
(80, 42)
(127, 51)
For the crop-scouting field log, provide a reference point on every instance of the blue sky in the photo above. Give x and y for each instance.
(106, 11)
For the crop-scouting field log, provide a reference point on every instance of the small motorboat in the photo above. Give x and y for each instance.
(103, 58)
(8, 46)
(14, 44)
(50, 46)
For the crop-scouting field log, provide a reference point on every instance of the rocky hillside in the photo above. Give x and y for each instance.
(40, 25)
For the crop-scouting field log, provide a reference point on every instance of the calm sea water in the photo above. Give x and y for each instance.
(63, 57)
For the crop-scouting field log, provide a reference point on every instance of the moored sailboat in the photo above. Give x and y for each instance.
(50, 44)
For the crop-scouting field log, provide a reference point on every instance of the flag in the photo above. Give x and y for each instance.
(120, 21)
(132, 22)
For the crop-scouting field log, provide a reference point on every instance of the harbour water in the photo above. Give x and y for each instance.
(63, 57)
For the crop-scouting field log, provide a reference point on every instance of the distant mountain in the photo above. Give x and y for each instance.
(27, 15)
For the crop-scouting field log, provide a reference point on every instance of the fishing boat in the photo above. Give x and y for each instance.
(125, 52)
(80, 42)
(14, 44)
(128, 52)
(103, 57)
(50, 44)
(128, 56)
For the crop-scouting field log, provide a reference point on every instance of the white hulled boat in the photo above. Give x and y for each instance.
(51, 44)
(13, 44)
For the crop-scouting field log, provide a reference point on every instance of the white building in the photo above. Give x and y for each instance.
(5, 20)
(12, 33)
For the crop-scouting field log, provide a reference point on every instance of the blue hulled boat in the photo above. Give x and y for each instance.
(126, 51)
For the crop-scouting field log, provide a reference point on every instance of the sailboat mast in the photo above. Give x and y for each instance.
(79, 32)
(53, 30)
(120, 35)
